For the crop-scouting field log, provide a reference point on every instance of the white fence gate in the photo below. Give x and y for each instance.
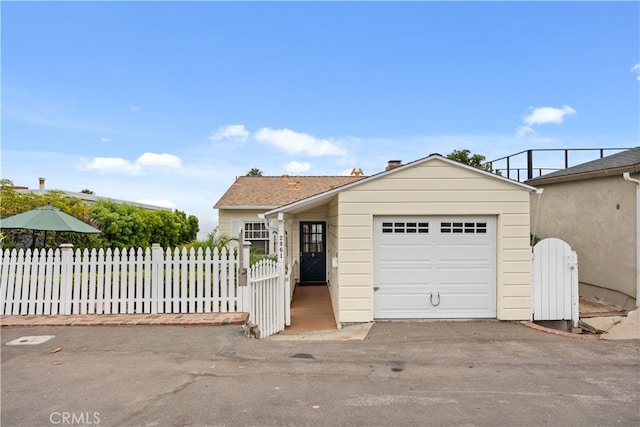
(267, 298)
(554, 281)
(268, 291)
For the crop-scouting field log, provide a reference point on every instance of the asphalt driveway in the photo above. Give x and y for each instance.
(403, 374)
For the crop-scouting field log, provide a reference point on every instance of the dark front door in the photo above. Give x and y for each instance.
(313, 252)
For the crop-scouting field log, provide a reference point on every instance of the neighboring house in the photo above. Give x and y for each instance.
(433, 238)
(596, 210)
(86, 197)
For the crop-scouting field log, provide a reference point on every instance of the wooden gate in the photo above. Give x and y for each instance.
(554, 281)
(265, 291)
(267, 298)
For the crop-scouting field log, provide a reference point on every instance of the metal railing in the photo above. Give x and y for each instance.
(510, 165)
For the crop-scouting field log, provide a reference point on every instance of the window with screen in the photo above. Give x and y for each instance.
(258, 235)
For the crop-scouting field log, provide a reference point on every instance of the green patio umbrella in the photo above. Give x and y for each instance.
(47, 218)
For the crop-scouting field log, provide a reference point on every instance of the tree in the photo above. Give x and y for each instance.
(127, 226)
(122, 225)
(475, 160)
(214, 240)
(14, 202)
(254, 172)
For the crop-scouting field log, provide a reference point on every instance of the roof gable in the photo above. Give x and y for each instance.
(323, 197)
(269, 192)
(625, 161)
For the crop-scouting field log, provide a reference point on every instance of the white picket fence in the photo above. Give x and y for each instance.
(137, 281)
(64, 281)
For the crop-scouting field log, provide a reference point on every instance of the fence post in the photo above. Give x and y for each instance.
(66, 276)
(156, 275)
(283, 298)
(244, 289)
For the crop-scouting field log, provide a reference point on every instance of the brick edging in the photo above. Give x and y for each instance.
(558, 332)
(197, 319)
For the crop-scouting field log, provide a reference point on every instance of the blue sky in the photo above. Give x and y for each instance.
(167, 102)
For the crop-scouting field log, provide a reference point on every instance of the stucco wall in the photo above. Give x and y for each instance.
(434, 188)
(597, 218)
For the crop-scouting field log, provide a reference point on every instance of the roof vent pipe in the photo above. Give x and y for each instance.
(392, 164)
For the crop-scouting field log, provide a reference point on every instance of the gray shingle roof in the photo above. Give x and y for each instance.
(625, 161)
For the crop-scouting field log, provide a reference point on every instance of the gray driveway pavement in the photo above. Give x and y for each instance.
(403, 374)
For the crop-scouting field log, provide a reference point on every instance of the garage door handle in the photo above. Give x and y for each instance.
(431, 299)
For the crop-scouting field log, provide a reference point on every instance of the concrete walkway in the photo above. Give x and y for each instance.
(194, 319)
(311, 310)
(616, 327)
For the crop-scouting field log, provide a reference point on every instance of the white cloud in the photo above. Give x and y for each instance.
(158, 202)
(524, 130)
(543, 115)
(112, 164)
(104, 139)
(297, 167)
(636, 69)
(233, 132)
(159, 160)
(134, 108)
(298, 143)
(120, 165)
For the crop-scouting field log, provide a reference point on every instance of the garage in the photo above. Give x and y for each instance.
(434, 267)
(429, 239)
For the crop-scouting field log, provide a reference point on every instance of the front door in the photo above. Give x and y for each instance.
(313, 250)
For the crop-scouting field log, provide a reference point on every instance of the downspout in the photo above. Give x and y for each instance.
(627, 177)
(539, 192)
(271, 231)
(532, 243)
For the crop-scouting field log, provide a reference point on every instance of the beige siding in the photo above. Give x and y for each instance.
(226, 217)
(597, 218)
(433, 188)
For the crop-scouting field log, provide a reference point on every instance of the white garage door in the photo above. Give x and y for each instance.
(435, 267)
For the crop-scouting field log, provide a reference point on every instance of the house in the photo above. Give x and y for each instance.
(250, 196)
(594, 207)
(433, 238)
(86, 197)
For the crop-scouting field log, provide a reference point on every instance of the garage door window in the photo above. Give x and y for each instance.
(405, 227)
(463, 227)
